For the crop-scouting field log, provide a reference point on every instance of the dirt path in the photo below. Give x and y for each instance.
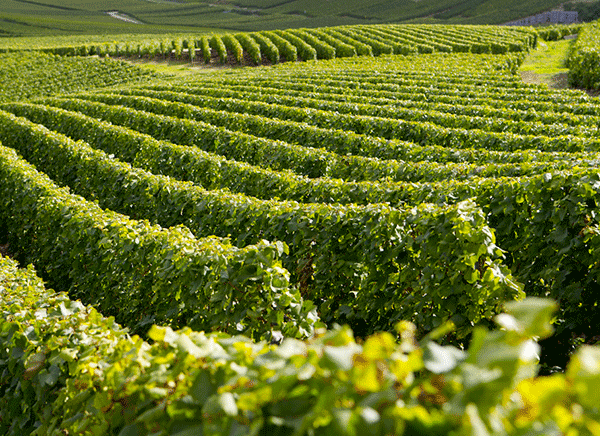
(547, 64)
(556, 80)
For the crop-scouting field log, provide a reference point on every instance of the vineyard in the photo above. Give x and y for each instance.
(34, 74)
(253, 48)
(403, 183)
(583, 61)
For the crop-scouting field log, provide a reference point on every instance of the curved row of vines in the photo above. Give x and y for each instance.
(274, 202)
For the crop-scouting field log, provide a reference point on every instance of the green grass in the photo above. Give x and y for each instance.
(547, 64)
(549, 58)
(178, 69)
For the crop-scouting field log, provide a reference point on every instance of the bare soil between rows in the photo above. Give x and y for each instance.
(555, 81)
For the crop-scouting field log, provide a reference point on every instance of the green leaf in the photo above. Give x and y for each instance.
(131, 430)
(341, 357)
(584, 371)
(441, 359)
(344, 422)
(227, 403)
(50, 377)
(202, 388)
(477, 426)
(192, 430)
(533, 316)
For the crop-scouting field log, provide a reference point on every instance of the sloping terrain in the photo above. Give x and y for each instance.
(404, 183)
(21, 17)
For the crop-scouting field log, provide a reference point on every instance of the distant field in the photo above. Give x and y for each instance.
(38, 74)
(50, 17)
(271, 47)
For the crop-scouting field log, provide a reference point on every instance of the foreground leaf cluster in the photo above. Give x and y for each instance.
(68, 370)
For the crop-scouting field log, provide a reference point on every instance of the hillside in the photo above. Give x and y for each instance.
(269, 201)
(341, 231)
(46, 17)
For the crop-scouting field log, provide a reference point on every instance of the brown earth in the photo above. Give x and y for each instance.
(557, 81)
